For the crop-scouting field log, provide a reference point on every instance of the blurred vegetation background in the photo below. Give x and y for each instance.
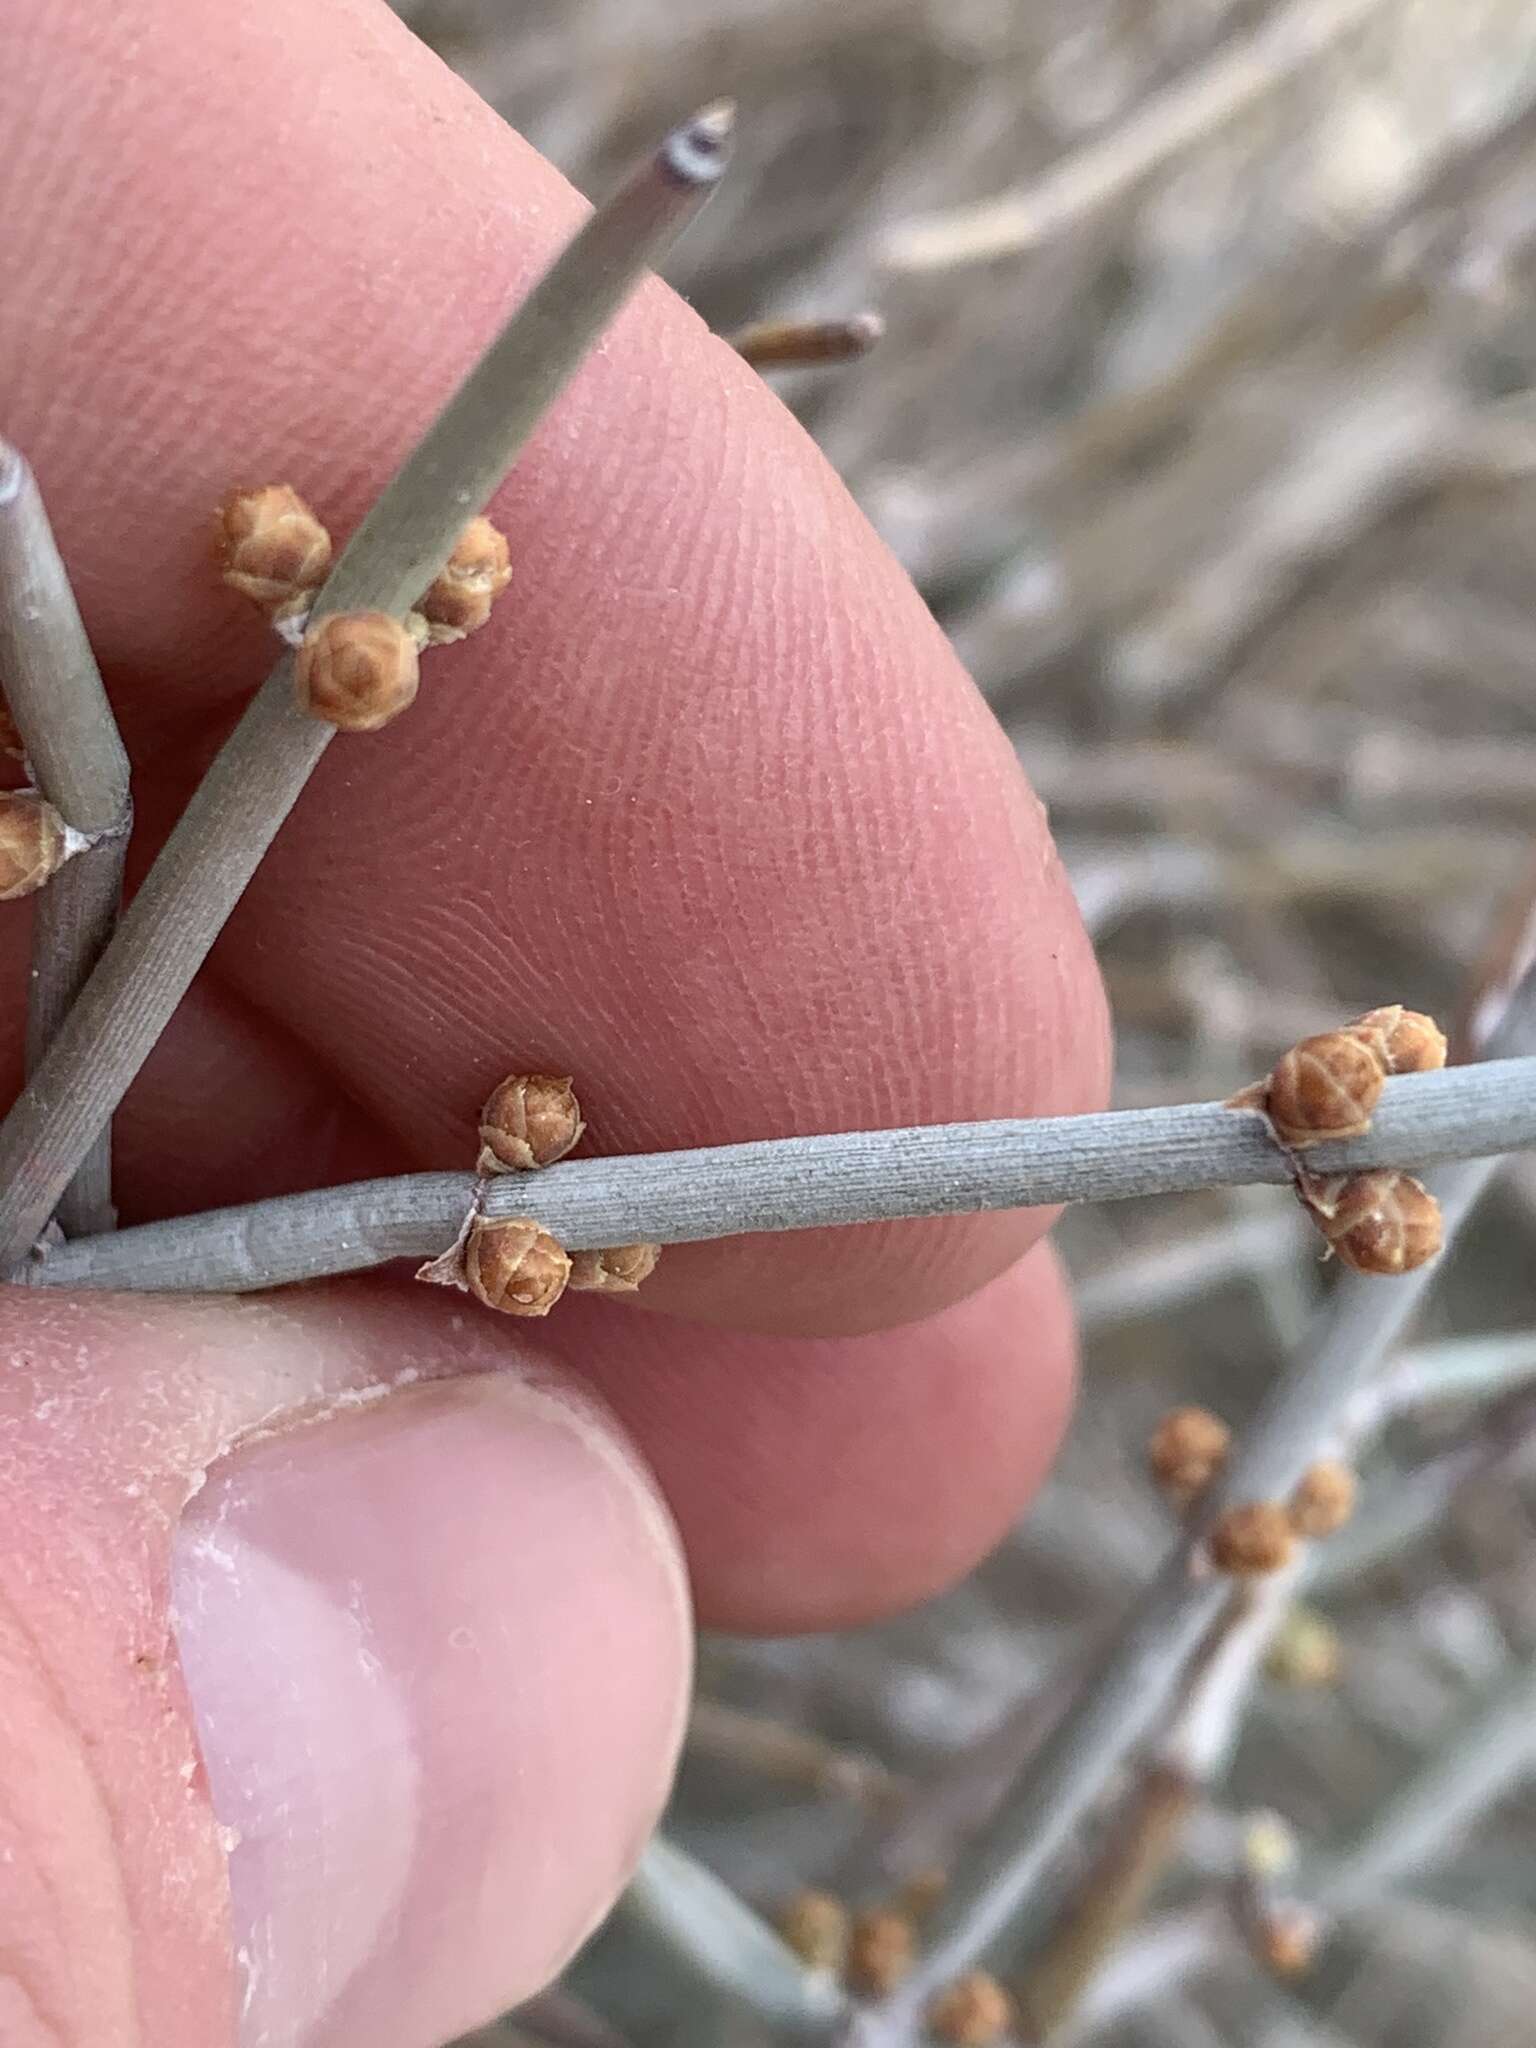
(1214, 450)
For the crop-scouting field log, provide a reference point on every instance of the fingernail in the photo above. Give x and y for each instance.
(403, 1630)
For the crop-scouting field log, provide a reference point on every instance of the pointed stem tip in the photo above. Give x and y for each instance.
(698, 152)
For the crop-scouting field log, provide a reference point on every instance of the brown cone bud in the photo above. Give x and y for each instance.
(618, 1269)
(1378, 1222)
(515, 1266)
(356, 670)
(473, 577)
(973, 2012)
(1405, 1041)
(271, 546)
(1324, 1088)
(1286, 1942)
(1186, 1451)
(1252, 1540)
(815, 1926)
(881, 1949)
(923, 1891)
(530, 1120)
(32, 843)
(1324, 1499)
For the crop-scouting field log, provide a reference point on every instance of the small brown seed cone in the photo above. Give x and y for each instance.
(973, 2012)
(1324, 1499)
(356, 670)
(881, 1948)
(1323, 1089)
(515, 1266)
(1252, 1540)
(270, 545)
(815, 1926)
(459, 600)
(529, 1120)
(32, 843)
(1382, 1221)
(617, 1269)
(1186, 1451)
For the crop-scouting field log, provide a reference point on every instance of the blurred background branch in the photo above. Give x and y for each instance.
(1226, 495)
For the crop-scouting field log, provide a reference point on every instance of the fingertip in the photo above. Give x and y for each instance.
(400, 1629)
(822, 1482)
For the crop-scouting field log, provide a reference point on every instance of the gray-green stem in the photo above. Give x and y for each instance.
(799, 1183)
(259, 774)
(55, 693)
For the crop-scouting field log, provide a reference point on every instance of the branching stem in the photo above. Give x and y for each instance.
(55, 693)
(798, 1183)
(260, 772)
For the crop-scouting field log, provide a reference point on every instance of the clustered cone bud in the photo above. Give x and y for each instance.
(515, 1266)
(973, 2012)
(530, 1120)
(1252, 1540)
(1378, 1222)
(1186, 1451)
(33, 843)
(1324, 1089)
(815, 1926)
(356, 670)
(1306, 1651)
(1324, 1499)
(618, 1269)
(271, 547)
(474, 576)
(1286, 1940)
(881, 1948)
(1405, 1041)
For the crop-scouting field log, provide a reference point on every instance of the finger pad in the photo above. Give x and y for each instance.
(819, 1482)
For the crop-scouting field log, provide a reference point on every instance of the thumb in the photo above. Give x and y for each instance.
(308, 1660)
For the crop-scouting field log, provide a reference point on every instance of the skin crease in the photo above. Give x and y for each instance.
(708, 817)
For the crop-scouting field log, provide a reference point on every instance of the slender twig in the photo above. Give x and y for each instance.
(1493, 1749)
(796, 1184)
(689, 1915)
(1142, 1667)
(1184, 112)
(54, 690)
(1110, 1900)
(793, 1756)
(1193, 1751)
(802, 344)
(1138, 1285)
(1398, 1513)
(263, 767)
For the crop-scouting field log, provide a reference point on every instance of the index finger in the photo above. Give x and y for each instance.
(709, 815)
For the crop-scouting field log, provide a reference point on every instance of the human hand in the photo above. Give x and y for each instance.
(359, 1589)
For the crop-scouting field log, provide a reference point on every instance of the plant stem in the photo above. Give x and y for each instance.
(800, 344)
(1186, 112)
(1140, 1845)
(690, 1915)
(1492, 1750)
(792, 1756)
(55, 693)
(1141, 1669)
(262, 768)
(799, 1183)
